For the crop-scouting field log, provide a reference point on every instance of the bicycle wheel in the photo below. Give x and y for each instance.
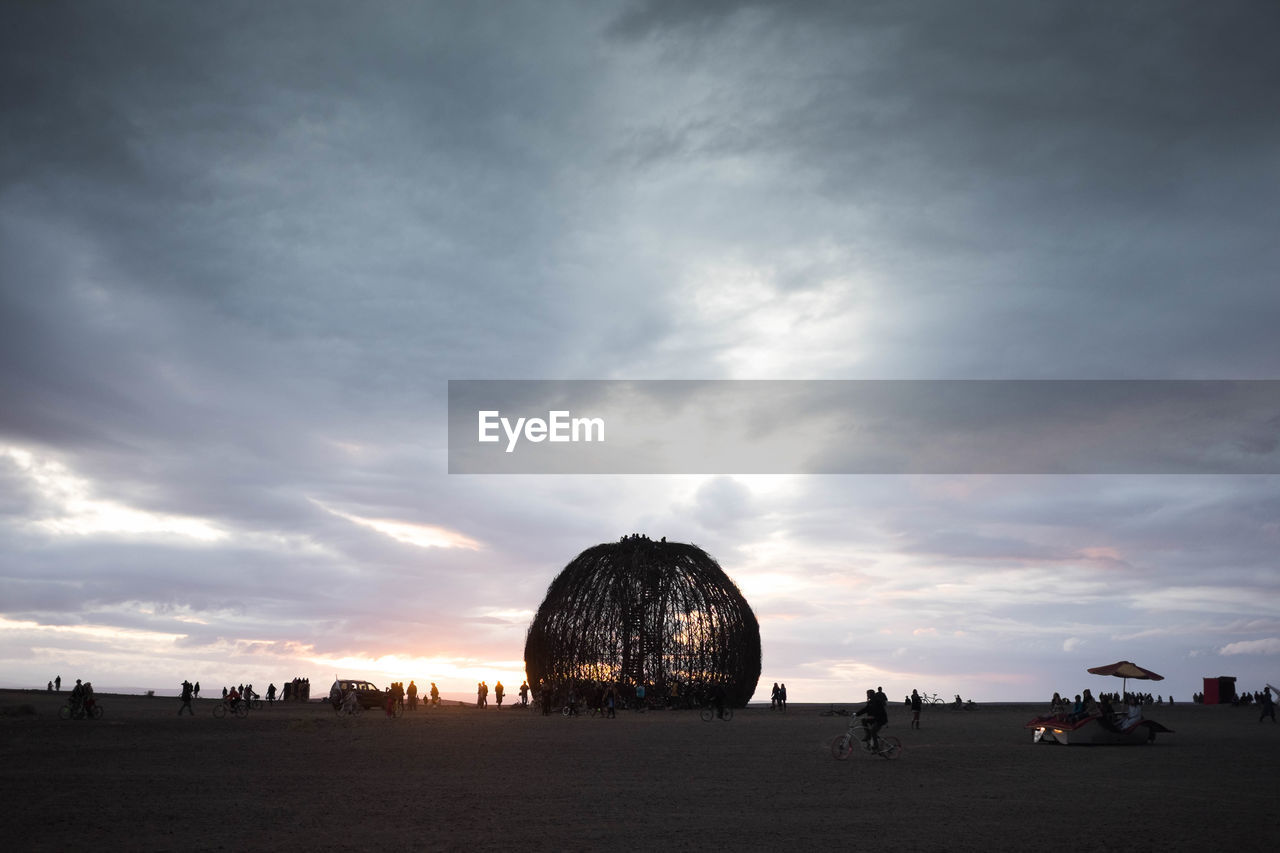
(890, 747)
(242, 710)
(842, 747)
(97, 712)
(64, 713)
(707, 715)
(220, 710)
(728, 714)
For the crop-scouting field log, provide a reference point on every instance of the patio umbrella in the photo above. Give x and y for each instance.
(1125, 670)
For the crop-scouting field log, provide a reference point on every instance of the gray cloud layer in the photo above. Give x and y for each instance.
(243, 247)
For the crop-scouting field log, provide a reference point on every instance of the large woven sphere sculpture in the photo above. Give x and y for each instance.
(645, 612)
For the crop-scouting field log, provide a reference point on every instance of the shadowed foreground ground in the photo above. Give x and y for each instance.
(298, 777)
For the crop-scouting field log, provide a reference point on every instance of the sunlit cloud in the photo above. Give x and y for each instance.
(94, 633)
(1268, 646)
(418, 535)
(76, 512)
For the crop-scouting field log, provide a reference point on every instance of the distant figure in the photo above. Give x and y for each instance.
(782, 696)
(544, 696)
(77, 696)
(50, 686)
(774, 702)
(271, 693)
(195, 691)
(1268, 706)
(57, 683)
(640, 697)
(524, 693)
(916, 703)
(233, 697)
(186, 699)
(435, 694)
(413, 695)
(610, 701)
(498, 693)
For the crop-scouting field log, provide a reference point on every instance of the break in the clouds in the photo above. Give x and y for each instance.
(243, 248)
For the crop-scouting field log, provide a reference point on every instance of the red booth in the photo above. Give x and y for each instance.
(1220, 690)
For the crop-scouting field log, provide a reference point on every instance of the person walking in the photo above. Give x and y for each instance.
(1268, 705)
(498, 693)
(186, 699)
(916, 702)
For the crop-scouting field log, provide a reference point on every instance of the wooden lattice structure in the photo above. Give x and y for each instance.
(646, 612)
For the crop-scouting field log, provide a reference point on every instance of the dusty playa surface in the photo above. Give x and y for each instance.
(300, 778)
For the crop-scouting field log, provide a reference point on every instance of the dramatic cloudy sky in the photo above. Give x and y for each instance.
(244, 246)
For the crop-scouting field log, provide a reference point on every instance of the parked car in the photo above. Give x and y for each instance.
(367, 693)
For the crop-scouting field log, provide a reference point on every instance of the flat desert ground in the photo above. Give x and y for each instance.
(298, 777)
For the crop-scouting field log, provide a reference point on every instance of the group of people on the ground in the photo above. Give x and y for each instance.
(778, 697)
(606, 698)
(482, 694)
(82, 699)
(1245, 698)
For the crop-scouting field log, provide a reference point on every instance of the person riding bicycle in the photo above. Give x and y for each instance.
(717, 700)
(233, 698)
(77, 698)
(877, 713)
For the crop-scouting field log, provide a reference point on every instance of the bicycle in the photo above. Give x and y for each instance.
(931, 699)
(859, 732)
(239, 709)
(708, 713)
